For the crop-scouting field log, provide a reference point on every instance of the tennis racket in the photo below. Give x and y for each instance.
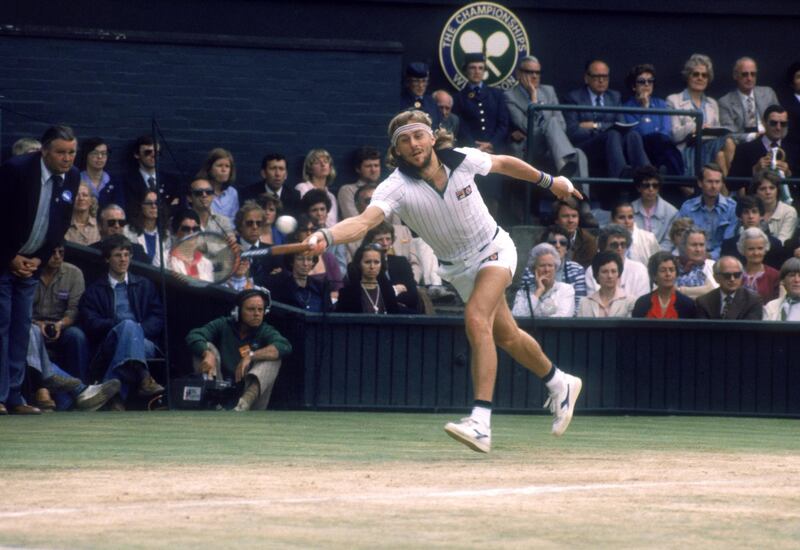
(208, 257)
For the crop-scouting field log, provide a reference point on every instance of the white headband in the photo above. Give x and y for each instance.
(410, 128)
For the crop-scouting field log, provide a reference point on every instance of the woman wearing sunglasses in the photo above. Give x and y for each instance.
(147, 226)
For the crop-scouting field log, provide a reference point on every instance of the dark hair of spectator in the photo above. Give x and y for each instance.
(354, 267)
(365, 153)
(793, 68)
(178, 218)
(136, 220)
(633, 74)
(112, 242)
(87, 146)
(269, 157)
(315, 196)
(268, 198)
(361, 190)
(288, 261)
(760, 177)
(213, 156)
(380, 229)
(53, 133)
(713, 167)
(656, 260)
(748, 202)
(774, 108)
(569, 202)
(603, 258)
(646, 173)
(617, 206)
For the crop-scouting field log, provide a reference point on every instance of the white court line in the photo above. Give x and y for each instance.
(469, 493)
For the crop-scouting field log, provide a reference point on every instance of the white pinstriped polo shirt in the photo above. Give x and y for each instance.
(455, 223)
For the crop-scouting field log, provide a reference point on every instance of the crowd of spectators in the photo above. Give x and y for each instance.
(718, 250)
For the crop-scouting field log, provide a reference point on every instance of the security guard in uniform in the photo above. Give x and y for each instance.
(415, 94)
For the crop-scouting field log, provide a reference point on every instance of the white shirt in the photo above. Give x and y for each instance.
(113, 282)
(42, 221)
(146, 177)
(634, 280)
(456, 223)
(644, 244)
(559, 301)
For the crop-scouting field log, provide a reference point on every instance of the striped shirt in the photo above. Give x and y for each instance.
(456, 222)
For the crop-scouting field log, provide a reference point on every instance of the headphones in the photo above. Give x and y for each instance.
(245, 295)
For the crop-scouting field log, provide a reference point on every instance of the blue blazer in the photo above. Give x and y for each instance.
(581, 96)
(484, 116)
(20, 188)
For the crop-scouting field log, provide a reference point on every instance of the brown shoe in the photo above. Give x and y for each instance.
(3, 410)
(25, 409)
(43, 400)
(150, 387)
(115, 404)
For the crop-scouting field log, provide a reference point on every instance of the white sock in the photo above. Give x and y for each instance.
(556, 383)
(482, 415)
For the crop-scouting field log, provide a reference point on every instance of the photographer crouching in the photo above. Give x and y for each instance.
(242, 347)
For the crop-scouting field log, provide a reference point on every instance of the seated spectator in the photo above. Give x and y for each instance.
(569, 272)
(316, 204)
(633, 279)
(650, 211)
(294, 287)
(185, 224)
(368, 290)
(397, 269)
(93, 157)
(552, 142)
(250, 220)
(147, 227)
(698, 71)
(750, 211)
(320, 173)
(711, 211)
(656, 130)
(599, 135)
(742, 110)
(122, 315)
(368, 167)
(201, 196)
(665, 302)
(112, 221)
(55, 312)
(142, 176)
(448, 120)
(83, 226)
(781, 218)
(272, 207)
(610, 299)
(219, 170)
(643, 243)
(770, 152)
(760, 278)
(695, 270)
(273, 177)
(582, 244)
(786, 308)
(26, 145)
(326, 271)
(546, 297)
(240, 279)
(789, 96)
(676, 233)
(415, 94)
(730, 300)
(243, 348)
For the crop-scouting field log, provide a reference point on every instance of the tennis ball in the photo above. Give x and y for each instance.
(286, 224)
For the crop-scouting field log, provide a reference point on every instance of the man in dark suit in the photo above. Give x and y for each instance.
(595, 133)
(730, 300)
(415, 92)
(38, 192)
(750, 211)
(273, 174)
(754, 156)
(144, 177)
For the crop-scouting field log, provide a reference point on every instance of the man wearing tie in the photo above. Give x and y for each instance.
(38, 194)
(274, 174)
(730, 300)
(144, 178)
(741, 110)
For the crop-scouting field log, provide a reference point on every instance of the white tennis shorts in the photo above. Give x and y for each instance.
(462, 274)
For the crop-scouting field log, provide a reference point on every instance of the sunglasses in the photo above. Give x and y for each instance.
(649, 185)
(113, 223)
(643, 81)
(731, 275)
(253, 223)
(201, 192)
(598, 76)
(778, 123)
(748, 73)
(617, 245)
(190, 228)
(150, 203)
(530, 72)
(149, 152)
(698, 74)
(558, 242)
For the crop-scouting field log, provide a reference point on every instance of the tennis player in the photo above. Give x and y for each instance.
(434, 192)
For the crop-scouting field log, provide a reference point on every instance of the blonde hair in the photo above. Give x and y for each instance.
(311, 157)
(444, 139)
(92, 199)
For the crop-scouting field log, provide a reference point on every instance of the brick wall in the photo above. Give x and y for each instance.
(249, 100)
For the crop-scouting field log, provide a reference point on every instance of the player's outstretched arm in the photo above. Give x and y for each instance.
(515, 168)
(347, 230)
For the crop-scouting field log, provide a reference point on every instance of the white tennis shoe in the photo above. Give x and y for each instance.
(562, 403)
(471, 433)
